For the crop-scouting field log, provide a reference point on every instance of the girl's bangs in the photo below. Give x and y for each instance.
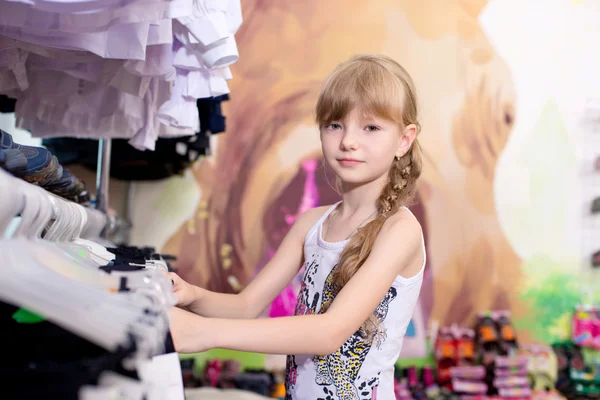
(367, 86)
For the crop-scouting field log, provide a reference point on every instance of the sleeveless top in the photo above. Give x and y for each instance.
(359, 370)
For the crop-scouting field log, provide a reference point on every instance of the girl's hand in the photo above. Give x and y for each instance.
(190, 332)
(184, 292)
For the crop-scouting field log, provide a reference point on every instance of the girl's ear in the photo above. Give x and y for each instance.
(409, 134)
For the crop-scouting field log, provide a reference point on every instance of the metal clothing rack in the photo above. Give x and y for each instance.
(102, 184)
(117, 228)
(103, 174)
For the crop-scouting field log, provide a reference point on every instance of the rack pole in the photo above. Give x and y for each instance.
(103, 174)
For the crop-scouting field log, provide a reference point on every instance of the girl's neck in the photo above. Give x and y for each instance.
(361, 199)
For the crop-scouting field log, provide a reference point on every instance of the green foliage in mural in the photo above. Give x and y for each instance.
(552, 292)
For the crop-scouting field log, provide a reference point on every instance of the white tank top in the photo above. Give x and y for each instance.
(358, 370)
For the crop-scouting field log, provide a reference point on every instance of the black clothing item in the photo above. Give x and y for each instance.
(50, 362)
(169, 346)
(126, 255)
(211, 115)
(120, 267)
(132, 252)
(41, 341)
(56, 380)
(7, 104)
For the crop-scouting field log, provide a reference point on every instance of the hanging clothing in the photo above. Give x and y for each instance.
(106, 69)
(359, 369)
(171, 155)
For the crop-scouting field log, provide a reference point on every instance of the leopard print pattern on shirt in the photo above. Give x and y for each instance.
(338, 371)
(341, 368)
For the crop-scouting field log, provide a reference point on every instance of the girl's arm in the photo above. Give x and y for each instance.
(397, 249)
(269, 282)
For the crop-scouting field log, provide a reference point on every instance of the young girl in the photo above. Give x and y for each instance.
(363, 257)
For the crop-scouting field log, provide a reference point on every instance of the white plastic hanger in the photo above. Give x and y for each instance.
(37, 208)
(71, 220)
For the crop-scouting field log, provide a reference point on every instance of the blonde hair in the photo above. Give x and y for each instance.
(378, 86)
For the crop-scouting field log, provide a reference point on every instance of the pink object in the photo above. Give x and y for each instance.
(511, 362)
(213, 371)
(477, 372)
(412, 377)
(461, 386)
(596, 334)
(428, 378)
(511, 381)
(310, 196)
(515, 392)
(583, 329)
(284, 304)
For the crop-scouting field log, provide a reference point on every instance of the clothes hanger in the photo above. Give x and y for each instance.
(155, 285)
(95, 225)
(46, 285)
(38, 209)
(72, 221)
(36, 198)
(36, 213)
(99, 250)
(10, 201)
(79, 307)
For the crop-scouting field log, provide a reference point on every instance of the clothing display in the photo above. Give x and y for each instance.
(100, 329)
(132, 69)
(373, 373)
(149, 75)
(171, 155)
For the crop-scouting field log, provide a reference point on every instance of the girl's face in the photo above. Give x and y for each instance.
(361, 148)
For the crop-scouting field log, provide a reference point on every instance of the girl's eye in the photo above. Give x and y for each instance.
(334, 126)
(372, 128)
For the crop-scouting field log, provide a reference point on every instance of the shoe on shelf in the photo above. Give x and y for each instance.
(13, 161)
(42, 167)
(63, 186)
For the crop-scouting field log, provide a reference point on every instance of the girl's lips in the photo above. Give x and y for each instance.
(349, 162)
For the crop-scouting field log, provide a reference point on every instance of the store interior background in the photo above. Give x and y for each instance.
(505, 193)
